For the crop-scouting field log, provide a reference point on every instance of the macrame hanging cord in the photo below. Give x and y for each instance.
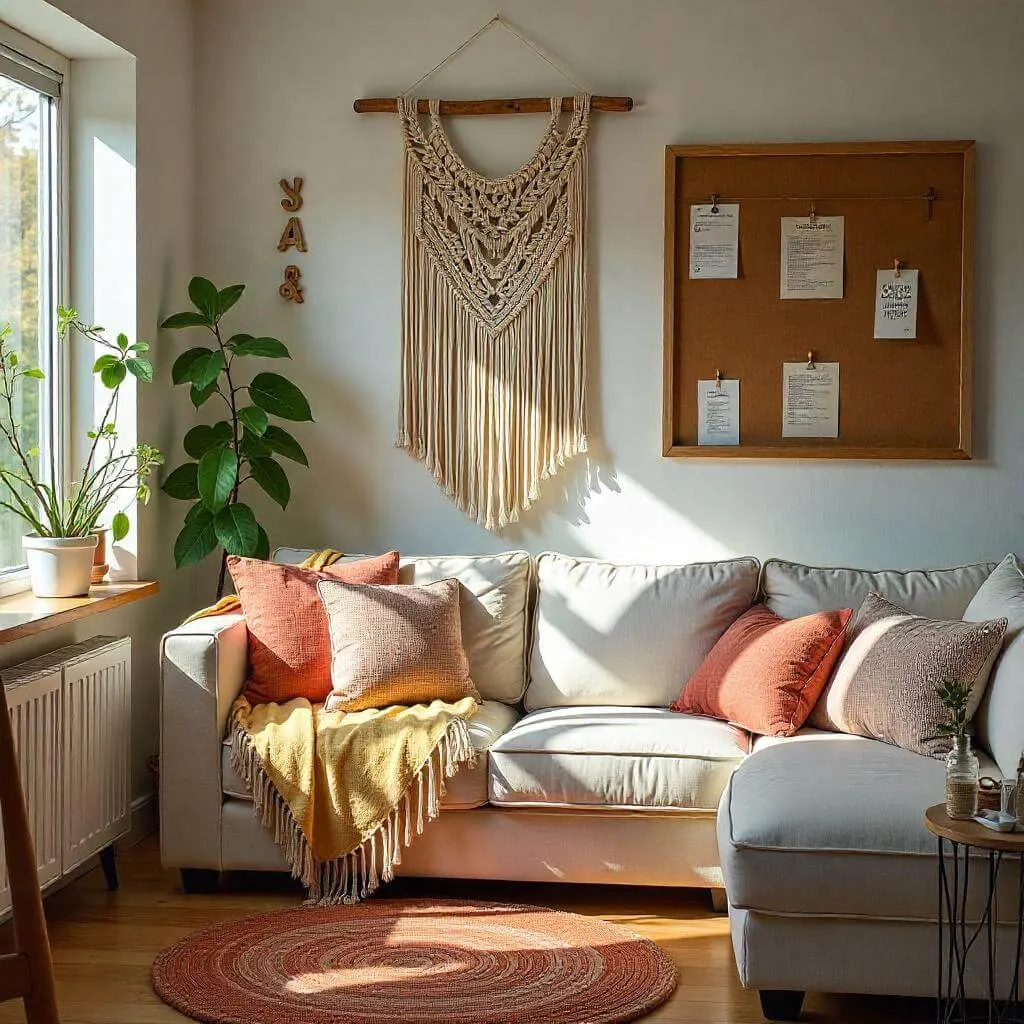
(494, 327)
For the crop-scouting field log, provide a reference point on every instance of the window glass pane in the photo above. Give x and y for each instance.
(26, 247)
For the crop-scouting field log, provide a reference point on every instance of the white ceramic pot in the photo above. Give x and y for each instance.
(59, 566)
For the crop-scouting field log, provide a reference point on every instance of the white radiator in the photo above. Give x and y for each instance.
(71, 714)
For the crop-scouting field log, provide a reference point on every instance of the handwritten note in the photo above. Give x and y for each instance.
(718, 412)
(714, 241)
(810, 400)
(812, 258)
(896, 304)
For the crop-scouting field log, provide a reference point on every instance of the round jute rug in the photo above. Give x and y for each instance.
(414, 961)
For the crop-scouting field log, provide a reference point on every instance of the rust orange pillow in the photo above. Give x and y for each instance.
(289, 639)
(766, 673)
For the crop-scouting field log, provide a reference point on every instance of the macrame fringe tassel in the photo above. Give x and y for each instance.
(359, 873)
(493, 415)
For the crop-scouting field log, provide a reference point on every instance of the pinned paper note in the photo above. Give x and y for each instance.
(896, 304)
(810, 400)
(718, 412)
(714, 241)
(812, 258)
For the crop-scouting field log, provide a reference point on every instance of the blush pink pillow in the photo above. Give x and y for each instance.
(289, 639)
(767, 673)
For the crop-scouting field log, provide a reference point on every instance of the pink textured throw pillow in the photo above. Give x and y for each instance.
(289, 640)
(766, 673)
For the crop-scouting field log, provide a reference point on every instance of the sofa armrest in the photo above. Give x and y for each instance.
(203, 667)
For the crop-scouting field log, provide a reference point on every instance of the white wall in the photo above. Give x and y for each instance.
(274, 96)
(155, 61)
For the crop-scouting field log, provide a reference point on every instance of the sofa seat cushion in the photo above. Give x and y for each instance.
(826, 823)
(615, 758)
(466, 789)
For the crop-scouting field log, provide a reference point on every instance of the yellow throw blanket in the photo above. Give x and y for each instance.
(343, 793)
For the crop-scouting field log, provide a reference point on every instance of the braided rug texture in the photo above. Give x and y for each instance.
(415, 961)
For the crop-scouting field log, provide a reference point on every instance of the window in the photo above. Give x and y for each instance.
(30, 256)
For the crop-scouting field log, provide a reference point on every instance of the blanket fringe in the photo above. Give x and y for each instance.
(357, 874)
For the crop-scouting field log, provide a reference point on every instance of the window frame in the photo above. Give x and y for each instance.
(57, 401)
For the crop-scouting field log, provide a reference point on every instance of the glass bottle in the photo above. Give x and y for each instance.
(962, 771)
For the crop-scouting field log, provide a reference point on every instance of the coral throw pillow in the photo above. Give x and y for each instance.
(289, 645)
(766, 673)
(395, 645)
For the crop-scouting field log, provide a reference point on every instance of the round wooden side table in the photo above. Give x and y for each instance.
(957, 936)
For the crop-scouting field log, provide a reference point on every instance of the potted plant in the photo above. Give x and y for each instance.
(962, 767)
(244, 446)
(62, 516)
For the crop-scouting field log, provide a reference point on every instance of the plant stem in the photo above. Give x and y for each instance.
(225, 355)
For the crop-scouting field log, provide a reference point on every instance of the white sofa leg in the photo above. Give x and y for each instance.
(719, 901)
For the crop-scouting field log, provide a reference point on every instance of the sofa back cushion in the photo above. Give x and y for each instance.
(791, 590)
(493, 599)
(629, 635)
(1000, 719)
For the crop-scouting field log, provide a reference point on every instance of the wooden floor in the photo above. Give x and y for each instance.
(103, 943)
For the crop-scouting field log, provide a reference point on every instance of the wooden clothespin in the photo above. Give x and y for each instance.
(813, 216)
(714, 202)
(718, 380)
(810, 361)
(929, 197)
(896, 268)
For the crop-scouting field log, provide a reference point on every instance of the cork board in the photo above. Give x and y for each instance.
(906, 399)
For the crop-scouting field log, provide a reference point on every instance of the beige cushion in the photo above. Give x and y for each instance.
(822, 823)
(792, 590)
(629, 635)
(466, 789)
(614, 757)
(395, 645)
(885, 685)
(1000, 719)
(495, 592)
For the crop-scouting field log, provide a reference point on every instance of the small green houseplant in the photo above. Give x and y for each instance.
(962, 766)
(244, 446)
(63, 516)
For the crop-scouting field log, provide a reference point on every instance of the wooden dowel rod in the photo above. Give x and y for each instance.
(528, 105)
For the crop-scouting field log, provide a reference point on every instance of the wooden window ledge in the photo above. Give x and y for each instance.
(23, 615)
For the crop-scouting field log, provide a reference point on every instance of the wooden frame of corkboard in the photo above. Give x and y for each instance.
(898, 399)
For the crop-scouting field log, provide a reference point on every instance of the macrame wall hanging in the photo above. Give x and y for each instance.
(494, 289)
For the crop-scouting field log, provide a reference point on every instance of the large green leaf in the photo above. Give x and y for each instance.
(112, 375)
(253, 418)
(142, 369)
(237, 529)
(181, 483)
(277, 439)
(182, 369)
(189, 319)
(119, 526)
(251, 446)
(100, 364)
(262, 545)
(200, 439)
(201, 395)
(268, 348)
(196, 540)
(227, 297)
(218, 471)
(272, 478)
(279, 397)
(204, 297)
(205, 370)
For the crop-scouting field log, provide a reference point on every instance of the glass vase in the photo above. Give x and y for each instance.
(962, 771)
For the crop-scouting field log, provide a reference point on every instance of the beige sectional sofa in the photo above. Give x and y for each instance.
(587, 776)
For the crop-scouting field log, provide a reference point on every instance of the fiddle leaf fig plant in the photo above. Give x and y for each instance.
(245, 446)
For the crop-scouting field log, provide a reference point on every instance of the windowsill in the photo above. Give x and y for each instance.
(23, 615)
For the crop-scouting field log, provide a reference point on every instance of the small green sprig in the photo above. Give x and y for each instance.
(955, 697)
